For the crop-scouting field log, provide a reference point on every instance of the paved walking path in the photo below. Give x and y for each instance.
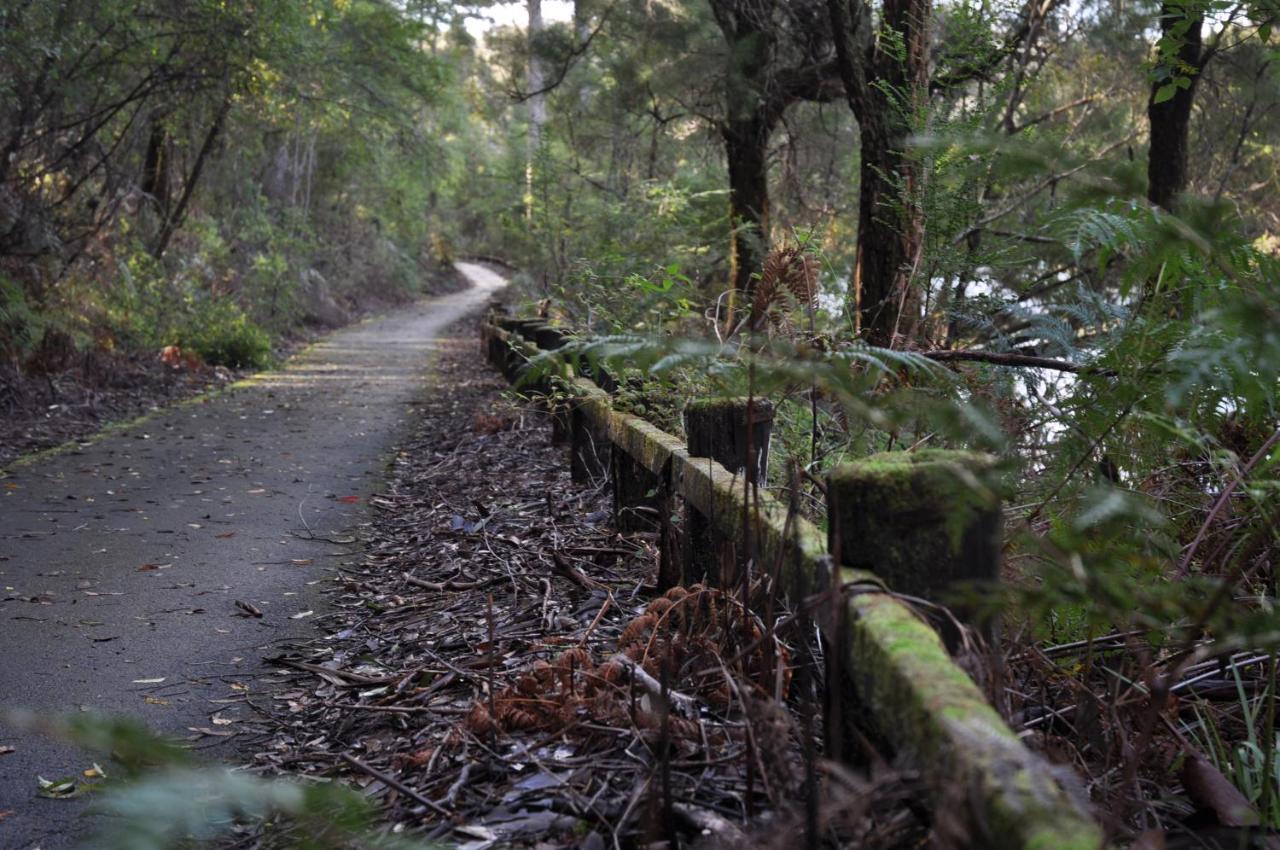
(121, 563)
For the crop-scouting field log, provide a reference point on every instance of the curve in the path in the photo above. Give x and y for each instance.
(121, 562)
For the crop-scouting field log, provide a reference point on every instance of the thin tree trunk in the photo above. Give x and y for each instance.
(746, 149)
(537, 102)
(155, 167)
(174, 221)
(310, 172)
(1171, 120)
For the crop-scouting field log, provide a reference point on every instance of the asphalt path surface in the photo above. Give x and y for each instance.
(122, 561)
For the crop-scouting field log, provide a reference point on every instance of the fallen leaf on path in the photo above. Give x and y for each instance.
(257, 491)
(155, 700)
(58, 789)
(249, 610)
(302, 562)
(4, 751)
(301, 615)
(217, 733)
(225, 536)
(155, 681)
(146, 568)
(350, 500)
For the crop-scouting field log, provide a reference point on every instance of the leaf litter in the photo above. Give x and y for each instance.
(500, 669)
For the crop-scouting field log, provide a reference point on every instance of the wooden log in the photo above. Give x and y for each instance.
(926, 522)
(733, 432)
(515, 324)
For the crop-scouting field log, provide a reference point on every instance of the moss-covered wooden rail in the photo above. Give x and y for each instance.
(901, 681)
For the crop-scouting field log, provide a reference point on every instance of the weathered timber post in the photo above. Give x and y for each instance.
(561, 427)
(514, 323)
(923, 521)
(532, 332)
(589, 448)
(513, 361)
(636, 494)
(734, 432)
(488, 341)
(549, 338)
(668, 538)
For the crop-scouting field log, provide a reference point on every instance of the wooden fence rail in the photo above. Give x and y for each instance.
(890, 671)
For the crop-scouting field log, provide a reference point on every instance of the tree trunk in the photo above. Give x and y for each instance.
(746, 144)
(1171, 120)
(155, 168)
(886, 82)
(890, 233)
(890, 224)
(537, 103)
(174, 220)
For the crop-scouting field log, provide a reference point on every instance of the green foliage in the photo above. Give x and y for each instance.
(236, 151)
(163, 797)
(20, 325)
(221, 333)
(1252, 763)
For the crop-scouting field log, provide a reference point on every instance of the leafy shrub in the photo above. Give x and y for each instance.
(221, 333)
(20, 327)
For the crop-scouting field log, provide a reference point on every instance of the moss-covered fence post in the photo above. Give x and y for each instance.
(734, 432)
(926, 522)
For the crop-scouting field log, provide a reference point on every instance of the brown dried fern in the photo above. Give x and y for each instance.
(788, 279)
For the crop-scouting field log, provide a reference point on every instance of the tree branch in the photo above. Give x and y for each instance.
(567, 63)
(1036, 12)
(1004, 359)
(850, 27)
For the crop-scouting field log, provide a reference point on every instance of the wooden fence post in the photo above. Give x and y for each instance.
(636, 492)
(734, 432)
(548, 338)
(589, 449)
(924, 521)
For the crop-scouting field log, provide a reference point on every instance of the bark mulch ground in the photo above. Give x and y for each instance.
(500, 671)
